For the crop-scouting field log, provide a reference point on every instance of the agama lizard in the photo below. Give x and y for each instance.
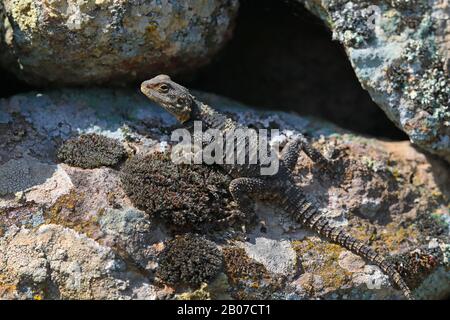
(249, 184)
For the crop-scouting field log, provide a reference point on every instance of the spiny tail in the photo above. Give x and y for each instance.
(337, 235)
(308, 216)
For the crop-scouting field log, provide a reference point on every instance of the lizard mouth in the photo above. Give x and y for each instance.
(154, 96)
(148, 92)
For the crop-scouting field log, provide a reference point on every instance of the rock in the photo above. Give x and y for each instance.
(399, 51)
(132, 233)
(53, 262)
(351, 262)
(109, 41)
(277, 257)
(69, 219)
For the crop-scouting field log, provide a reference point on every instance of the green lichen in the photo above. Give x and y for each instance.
(420, 74)
(351, 22)
(200, 294)
(440, 220)
(409, 13)
(90, 151)
(394, 235)
(432, 225)
(332, 274)
(189, 259)
(408, 4)
(372, 164)
(215, 290)
(25, 14)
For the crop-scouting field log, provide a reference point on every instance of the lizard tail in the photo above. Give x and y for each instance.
(316, 221)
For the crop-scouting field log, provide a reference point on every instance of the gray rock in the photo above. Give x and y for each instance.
(399, 51)
(131, 231)
(58, 263)
(110, 41)
(69, 219)
(277, 256)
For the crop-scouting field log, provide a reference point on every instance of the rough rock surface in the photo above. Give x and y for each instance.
(103, 41)
(52, 261)
(56, 219)
(399, 50)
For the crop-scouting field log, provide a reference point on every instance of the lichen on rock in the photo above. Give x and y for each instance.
(398, 55)
(189, 259)
(186, 197)
(351, 22)
(249, 279)
(133, 235)
(90, 151)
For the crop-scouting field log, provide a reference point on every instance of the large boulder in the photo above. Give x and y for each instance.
(399, 50)
(57, 219)
(108, 41)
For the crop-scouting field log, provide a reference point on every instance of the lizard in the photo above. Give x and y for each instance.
(248, 184)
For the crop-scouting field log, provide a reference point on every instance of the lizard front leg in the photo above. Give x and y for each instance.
(291, 153)
(245, 191)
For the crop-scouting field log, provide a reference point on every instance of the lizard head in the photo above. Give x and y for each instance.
(171, 96)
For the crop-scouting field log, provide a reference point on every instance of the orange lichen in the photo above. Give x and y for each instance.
(7, 287)
(67, 211)
(393, 235)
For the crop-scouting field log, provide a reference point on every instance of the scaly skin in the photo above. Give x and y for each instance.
(249, 184)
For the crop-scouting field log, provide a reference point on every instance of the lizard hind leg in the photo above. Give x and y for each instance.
(246, 190)
(291, 153)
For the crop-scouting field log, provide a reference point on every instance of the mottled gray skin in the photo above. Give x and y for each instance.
(248, 182)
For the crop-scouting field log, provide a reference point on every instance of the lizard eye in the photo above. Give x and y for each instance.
(164, 88)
